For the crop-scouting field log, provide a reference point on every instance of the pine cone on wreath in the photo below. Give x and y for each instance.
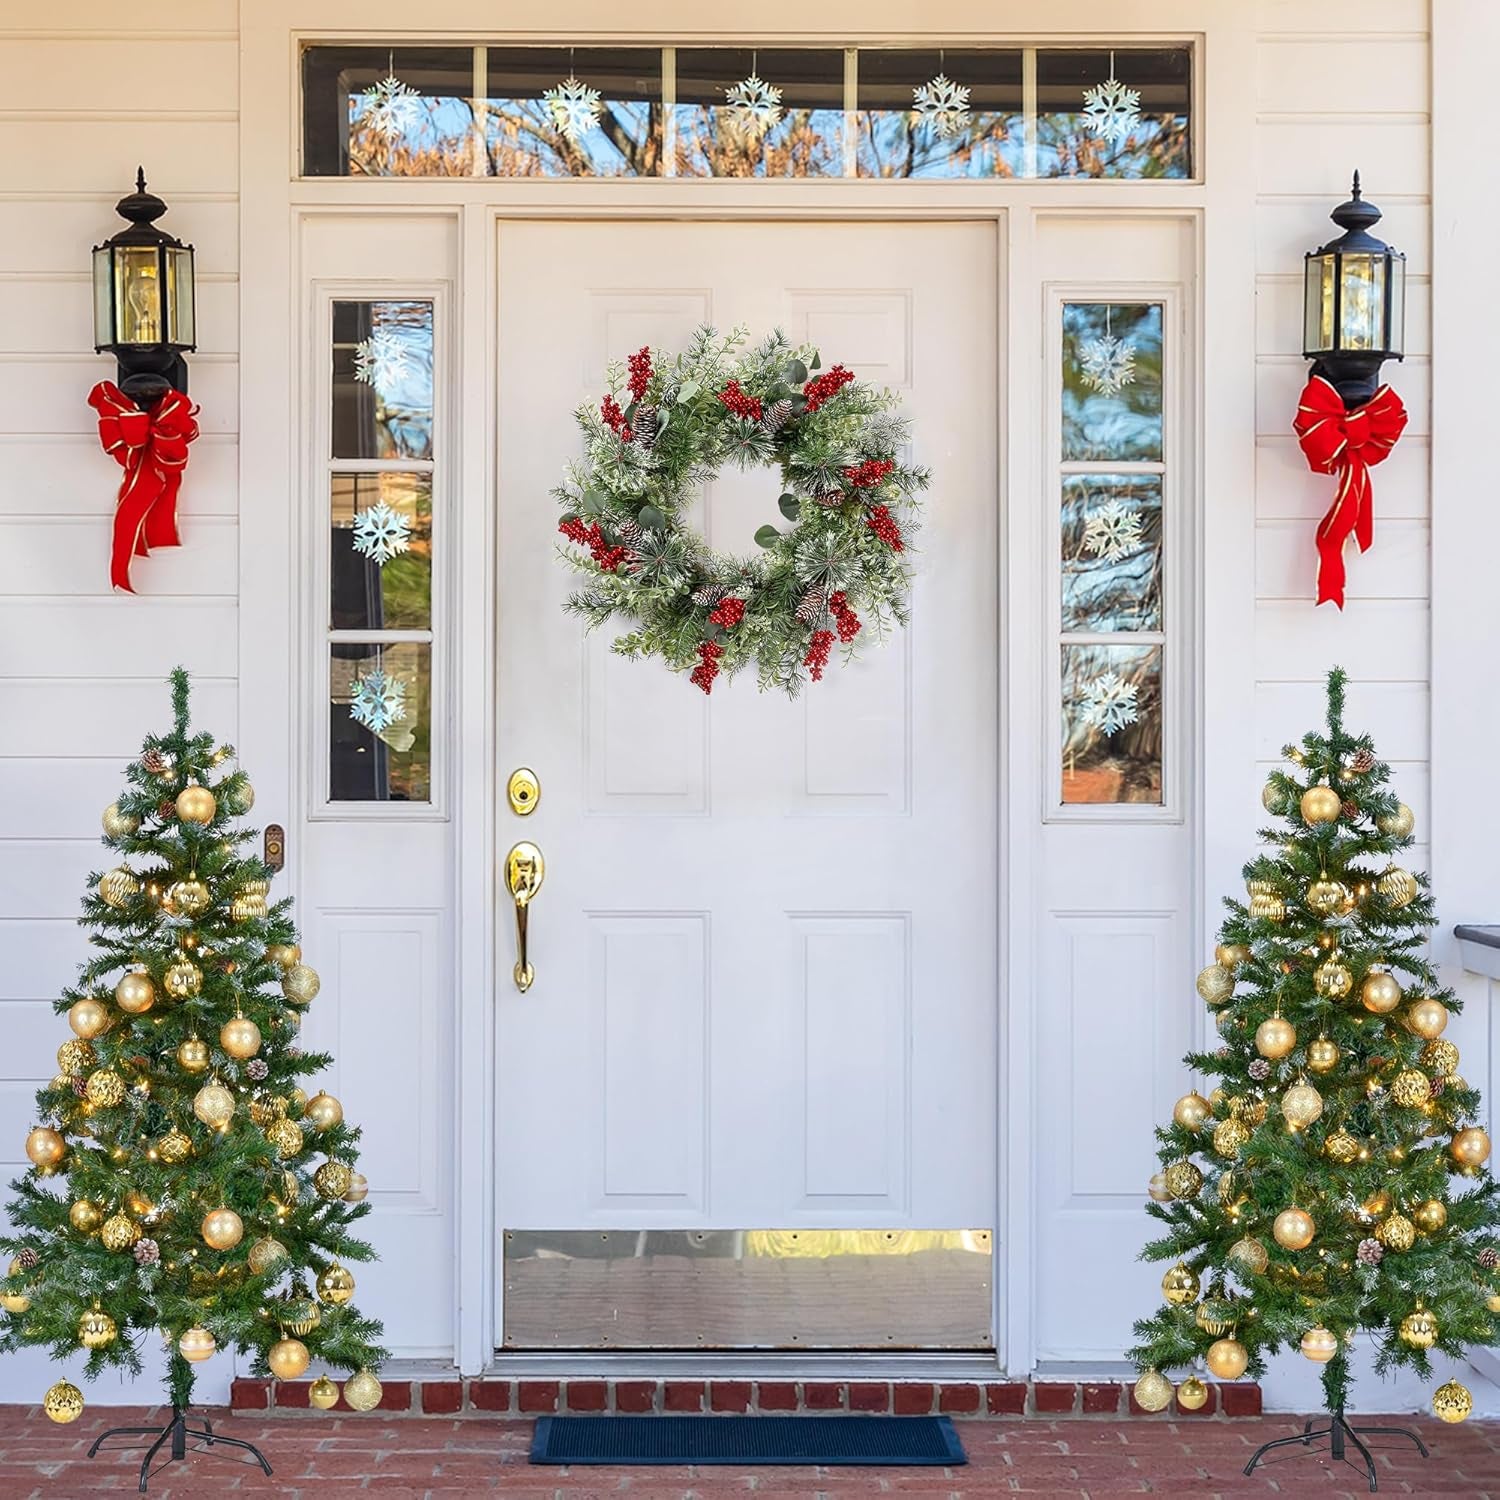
(645, 425)
(777, 414)
(813, 605)
(830, 498)
(709, 595)
(628, 532)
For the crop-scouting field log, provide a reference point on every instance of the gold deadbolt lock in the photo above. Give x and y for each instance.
(523, 791)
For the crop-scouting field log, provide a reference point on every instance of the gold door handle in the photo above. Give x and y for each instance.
(525, 869)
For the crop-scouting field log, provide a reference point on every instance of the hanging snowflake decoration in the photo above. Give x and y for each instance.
(380, 360)
(1108, 364)
(1108, 703)
(1112, 531)
(575, 108)
(754, 105)
(1110, 110)
(390, 108)
(944, 104)
(379, 701)
(381, 533)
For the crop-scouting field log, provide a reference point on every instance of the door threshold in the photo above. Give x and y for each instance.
(744, 1364)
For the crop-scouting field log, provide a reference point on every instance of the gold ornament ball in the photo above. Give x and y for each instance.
(1275, 1037)
(1156, 1188)
(1227, 1359)
(1216, 1316)
(1398, 886)
(247, 908)
(1470, 1148)
(1179, 1285)
(63, 1402)
(324, 1111)
(96, 1329)
(135, 994)
(174, 1147)
(1322, 1055)
(190, 897)
(1327, 897)
(193, 1055)
(1271, 798)
(1493, 1302)
(138, 1204)
(1294, 1229)
(288, 1358)
(1452, 1402)
(1380, 993)
(1183, 1179)
(195, 804)
(1229, 1136)
(1250, 1254)
(332, 1179)
(1411, 1088)
(1399, 824)
(1378, 1203)
(1441, 1057)
(323, 1394)
(284, 955)
(1192, 1394)
(300, 984)
(1266, 904)
(299, 1315)
(1396, 1232)
(75, 1058)
(264, 1111)
(1301, 1105)
(242, 799)
(88, 1017)
(1320, 804)
(1341, 1147)
(1232, 955)
(119, 1232)
(214, 1105)
(336, 1286)
(117, 824)
(118, 886)
(363, 1391)
(240, 1037)
(1419, 1329)
(1319, 1345)
(45, 1147)
(15, 1302)
(265, 1253)
(223, 1229)
(196, 1345)
(1215, 984)
(1153, 1391)
(105, 1089)
(358, 1189)
(85, 1216)
(1332, 979)
(183, 979)
(1191, 1111)
(285, 1136)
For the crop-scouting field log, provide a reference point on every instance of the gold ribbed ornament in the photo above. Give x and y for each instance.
(1216, 1315)
(247, 907)
(1153, 1391)
(1265, 903)
(118, 887)
(1398, 886)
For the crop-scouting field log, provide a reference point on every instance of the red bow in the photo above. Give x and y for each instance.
(1345, 443)
(152, 448)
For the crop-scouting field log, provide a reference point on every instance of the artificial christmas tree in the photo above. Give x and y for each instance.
(1333, 1181)
(182, 1182)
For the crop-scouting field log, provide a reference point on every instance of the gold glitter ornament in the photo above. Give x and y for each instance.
(1322, 1055)
(1411, 1088)
(1182, 1177)
(1294, 1229)
(135, 994)
(1327, 898)
(1215, 984)
(195, 804)
(1230, 1136)
(193, 1055)
(288, 1358)
(1250, 1255)
(1275, 1037)
(323, 1394)
(1332, 979)
(1398, 886)
(1319, 1345)
(1396, 1232)
(117, 824)
(1452, 1402)
(1153, 1391)
(336, 1286)
(296, 1102)
(45, 1147)
(332, 1179)
(1227, 1359)
(15, 1303)
(88, 1018)
(300, 984)
(75, 1058)
(1380, 993)
(363, 1391)
(1301, 1105)
(85, 1216)
(105, 1089)
(323, 1111)
(1471, 1147)
(1271, 798)
(118, 887)
(1399, 824)
(190, 897)
(96, 1329)
(264, 1254)
(1441, 1057)
(265, 1109)
(119, 1232)
(286, 1136)
(240, 1037)
(214, 1105)
(63, 1402)
(222, 1229)
(183, 979)
(1430, 1215)
(1419, 1329)
(1179, 1285)
(1320, 804)
(196, 1345)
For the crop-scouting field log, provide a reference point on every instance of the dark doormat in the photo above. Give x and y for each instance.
(909, 1441)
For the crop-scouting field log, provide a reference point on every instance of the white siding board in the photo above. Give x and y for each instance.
(119, 637)
(1376, 639)
(1290, 222)
(72, 475)
(165, 17)
(1395, 567)
(1356, 17)
(1373, 76)
(1317, 156)
(50, 395)
(1395, 713)
(42, 958)
(101, 155)
(1278, 316)
(71, 556)
(52, 235)
(56, 798)
(46, 877)
(118, 74)
(55, 315)
(1279, 380)
(103, 718)
(1286, 489)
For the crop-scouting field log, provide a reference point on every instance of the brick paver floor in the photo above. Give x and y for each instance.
(331, 1458)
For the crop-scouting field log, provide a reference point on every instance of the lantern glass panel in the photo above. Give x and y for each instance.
(138, 295)
(1317, 317)
(1396, 334)
(104, 302)
(1362, 304)
(180, 295)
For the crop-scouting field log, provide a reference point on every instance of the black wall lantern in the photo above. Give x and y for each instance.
(143, 300)
(1354, 303)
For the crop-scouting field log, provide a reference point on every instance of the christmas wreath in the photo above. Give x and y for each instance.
(840, 571)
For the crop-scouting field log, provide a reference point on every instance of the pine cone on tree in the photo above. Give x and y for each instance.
(154, 762)
(28, 1260)
(1370, 1252)
(147, 1252)
(1363, 762)
(1350, 810)
(1489, 1258)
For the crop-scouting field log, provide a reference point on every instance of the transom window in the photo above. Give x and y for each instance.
(873, 112)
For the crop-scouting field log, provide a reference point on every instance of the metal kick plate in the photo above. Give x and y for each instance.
(749, 1289)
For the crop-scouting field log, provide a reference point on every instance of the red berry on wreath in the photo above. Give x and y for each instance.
(817, 654)
(707, 669)
(741, 403)
(847, 621)
(729, 613)
(821, 387)
(883, 524)
(640, 371)
(867, 475)
(614, 419)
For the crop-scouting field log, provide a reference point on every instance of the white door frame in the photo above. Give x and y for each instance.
(272, 655)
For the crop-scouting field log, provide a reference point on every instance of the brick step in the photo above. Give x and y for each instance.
(490, 1396)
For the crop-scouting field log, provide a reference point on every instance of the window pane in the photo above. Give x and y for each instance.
(381, 551)
(380, 722)
(975, 128)
(1129, 122)
(1111, 552)
(798, 131)
(527, 135)
(1112, 724)
(382, 380)
(1111, 367)
(388, 112)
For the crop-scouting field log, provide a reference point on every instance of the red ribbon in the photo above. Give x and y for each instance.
(152, 448)
(1346, 443)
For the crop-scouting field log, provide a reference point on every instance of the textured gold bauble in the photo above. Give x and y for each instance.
(1320, 804)
(1319, 1345)
(117, 824)
(1452, 1402)
(190, 897)
(135, 994)
(1179, 1285)
(1230, 1136)
(105, 1089)
(265, 1253)
(1378, 1203)
(363, 1391)
(75, 1057)
(284, 955)
(297, 1313)
(96, 1329)
(1156, 1188)
(358, 1189)
(1192, 1394)
(193, 1055)
(300, 984)
(264, 1110)
(240, 1037)
(197, 1344)
(1271, 798)
(1380, 993)
(332, 1179)
(195, 804)
(247, 908)
(1232, 955)
(1183, 1179)
(1399, 824)
(1430, 1215)
(1441, 1057)
(296, 1102)
(1411, 1088)
(1227, 1359)
(85, 1216)
(214, 1105)
(1153, 1391)
(1493, 1302)
(64, 1402)
(1250, 1255)
(45, 1147)
(1327, 897)
(1396, 1232)
(1215, 984)
(1322, 1055)
(323, 1111)
(288, 1358)
(88, 1017)
(15, 1302)
(223, 1229)
(336, 1285)
(285, 1136)
(1267, 905)
(241, 799)
(1398, 886)
(1216, 1316)
(1275, 1037)
(1301, 1105)
(323, 1394)
(1341, 1147)
(183, 979)
(118, 887)
(1470, 1148)
(1419, 1329)
(1332, 979)
(174, 1147)
(119, 1232)
(1294, 1229)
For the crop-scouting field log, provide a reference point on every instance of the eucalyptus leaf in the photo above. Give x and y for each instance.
(791, 507)
(817, 360)
(593, 502)
(767, 536)
(650, 519)
(688, 390)
(796, 372)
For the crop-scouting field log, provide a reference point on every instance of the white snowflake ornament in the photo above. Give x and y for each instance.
(754, 105)
(1108, 703)
(381, 533)
(1108, 364)
(1112, 531)
(575, 108)
(379, 701)
(1110, 110)
(390, 108)
(380, 360)
(944, 104)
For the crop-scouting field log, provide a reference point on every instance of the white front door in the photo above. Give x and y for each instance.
(765, 949)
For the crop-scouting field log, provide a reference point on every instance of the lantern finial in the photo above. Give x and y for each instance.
(1354, 191)
(140, 181)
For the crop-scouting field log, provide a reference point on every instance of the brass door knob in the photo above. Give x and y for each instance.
(525, 869)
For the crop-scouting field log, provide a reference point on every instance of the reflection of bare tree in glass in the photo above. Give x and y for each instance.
(523, 140)
(1157, 147)
(1103, 592)
(1125, 765)
(441, 145)
(806, 143)
(899, 143)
